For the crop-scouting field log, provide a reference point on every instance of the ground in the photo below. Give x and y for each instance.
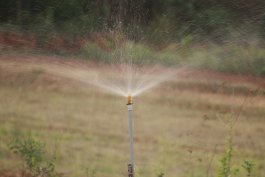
(181, 127)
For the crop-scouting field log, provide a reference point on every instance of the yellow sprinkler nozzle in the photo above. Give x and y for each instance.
(129, 99)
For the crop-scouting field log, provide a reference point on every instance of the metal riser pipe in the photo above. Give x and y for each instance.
(130, 117)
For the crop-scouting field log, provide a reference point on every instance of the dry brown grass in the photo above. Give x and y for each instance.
(179, 127)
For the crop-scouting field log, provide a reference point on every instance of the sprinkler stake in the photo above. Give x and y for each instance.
(131, 164)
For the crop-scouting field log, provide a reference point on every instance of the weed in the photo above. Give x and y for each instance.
(161, 174)
(225, 168)
(90, 172)
(248, 166)
(34, 156)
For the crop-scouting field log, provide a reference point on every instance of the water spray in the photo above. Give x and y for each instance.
(139, 78)
(130, 117)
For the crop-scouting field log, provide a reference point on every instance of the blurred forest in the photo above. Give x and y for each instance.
(164, 20)
(220, 35)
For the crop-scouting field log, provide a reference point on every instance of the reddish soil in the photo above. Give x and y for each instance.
(55, 42)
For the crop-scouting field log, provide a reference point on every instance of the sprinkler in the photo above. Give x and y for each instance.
(131, 164)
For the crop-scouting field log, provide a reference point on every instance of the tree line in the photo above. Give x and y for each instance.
(162, 18)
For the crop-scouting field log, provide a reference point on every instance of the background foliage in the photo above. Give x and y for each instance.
(221, 35)
(167, 18)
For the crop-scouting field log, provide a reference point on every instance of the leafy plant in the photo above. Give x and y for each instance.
(34, 157)
(225, 168)
(161, 174)
(248, 166)
(90, 172)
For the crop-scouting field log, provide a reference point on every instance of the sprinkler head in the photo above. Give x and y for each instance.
(129, 99)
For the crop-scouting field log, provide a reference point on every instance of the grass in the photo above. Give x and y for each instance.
(178, 132)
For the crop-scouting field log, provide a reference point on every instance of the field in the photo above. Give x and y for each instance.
(181, 127)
